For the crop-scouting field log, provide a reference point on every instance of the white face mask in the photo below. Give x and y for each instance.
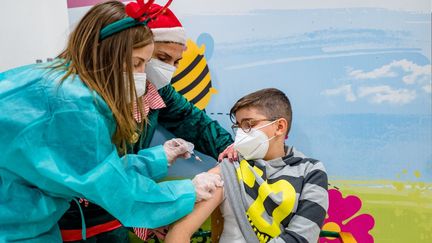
(140, 80)
(254, 144)
(159, 73)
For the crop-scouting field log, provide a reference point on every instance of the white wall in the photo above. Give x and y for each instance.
(31, 30)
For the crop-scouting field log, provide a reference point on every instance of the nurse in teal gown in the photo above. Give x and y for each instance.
(60, 135)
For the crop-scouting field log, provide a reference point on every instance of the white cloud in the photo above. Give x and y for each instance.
(412, 73)
(382, 72)
(342, 90)
(418, 74)
(409, 72)
(374, 94)
(386, 94)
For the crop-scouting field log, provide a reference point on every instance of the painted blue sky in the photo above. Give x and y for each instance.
(358, 60)
(359, 80)
(358, 74)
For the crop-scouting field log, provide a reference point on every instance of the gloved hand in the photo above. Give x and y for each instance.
(205, 183)
(177, 148)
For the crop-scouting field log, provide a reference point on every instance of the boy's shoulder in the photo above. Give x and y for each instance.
(300, 169)
(297, 164)
(295, 157)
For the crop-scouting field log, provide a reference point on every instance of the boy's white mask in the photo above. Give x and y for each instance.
(159, 73)
(254, 144)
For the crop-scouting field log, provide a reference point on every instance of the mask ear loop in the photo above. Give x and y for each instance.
(265, 125)
(268, 124)
(286, 136)
(256, 129)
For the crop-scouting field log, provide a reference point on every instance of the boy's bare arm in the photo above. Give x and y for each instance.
(183, 229)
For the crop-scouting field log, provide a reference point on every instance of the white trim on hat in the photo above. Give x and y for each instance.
(175, 34)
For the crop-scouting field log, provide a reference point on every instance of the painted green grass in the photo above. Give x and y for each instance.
(402, 210)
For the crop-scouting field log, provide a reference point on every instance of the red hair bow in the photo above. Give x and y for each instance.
(139, 10)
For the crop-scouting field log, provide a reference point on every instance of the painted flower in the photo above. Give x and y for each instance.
(341, 218)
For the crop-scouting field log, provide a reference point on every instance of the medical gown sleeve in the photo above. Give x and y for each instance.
(70, 154)
(151, 162)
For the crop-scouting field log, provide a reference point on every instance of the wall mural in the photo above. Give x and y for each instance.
(192, 78)
(359, 79)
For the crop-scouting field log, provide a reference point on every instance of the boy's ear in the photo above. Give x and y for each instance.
(282, 126)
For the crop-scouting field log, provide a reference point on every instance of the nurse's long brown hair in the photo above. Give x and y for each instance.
(100, 63)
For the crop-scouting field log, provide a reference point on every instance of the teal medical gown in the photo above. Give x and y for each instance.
(55, 144)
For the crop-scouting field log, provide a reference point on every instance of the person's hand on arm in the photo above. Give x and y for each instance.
(206, 184)
(230, 153)
(183, 229)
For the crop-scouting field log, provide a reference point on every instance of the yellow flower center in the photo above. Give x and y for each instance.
(331, 226)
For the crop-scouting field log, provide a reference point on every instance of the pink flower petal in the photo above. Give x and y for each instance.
(341, 208)
(360, 227)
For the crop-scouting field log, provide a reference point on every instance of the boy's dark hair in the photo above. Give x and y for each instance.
(271, 102)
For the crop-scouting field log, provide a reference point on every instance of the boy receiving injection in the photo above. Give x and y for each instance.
(273, 193)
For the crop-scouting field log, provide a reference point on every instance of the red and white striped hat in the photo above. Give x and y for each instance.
(166, 26)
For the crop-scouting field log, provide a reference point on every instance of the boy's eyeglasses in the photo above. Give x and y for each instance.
(247, 125)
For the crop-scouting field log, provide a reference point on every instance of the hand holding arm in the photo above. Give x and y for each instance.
(205, 184)
(183, 229)
(229, 153)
